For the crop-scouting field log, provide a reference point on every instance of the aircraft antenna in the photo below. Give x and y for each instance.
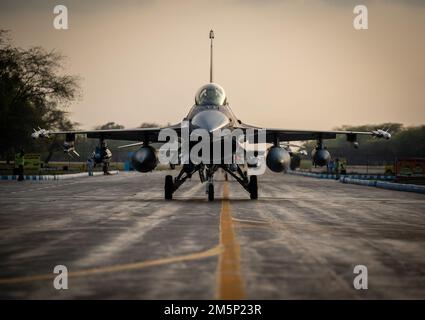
(211, 55)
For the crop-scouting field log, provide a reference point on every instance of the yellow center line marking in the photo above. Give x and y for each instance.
(230, 284)
(122, 267)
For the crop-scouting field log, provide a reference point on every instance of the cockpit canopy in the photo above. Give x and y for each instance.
(210, 95)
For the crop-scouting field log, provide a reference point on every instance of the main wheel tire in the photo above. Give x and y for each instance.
(168, 187)
(210, 192)
(253, 187)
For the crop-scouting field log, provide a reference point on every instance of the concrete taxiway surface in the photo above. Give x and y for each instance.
(118, 238)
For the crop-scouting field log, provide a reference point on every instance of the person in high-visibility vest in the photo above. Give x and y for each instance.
(336, 166)
(342, 168)
(19, 163)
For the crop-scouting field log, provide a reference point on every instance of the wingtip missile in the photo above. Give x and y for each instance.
(380, 133)
(130, 145)
(40, 133)
(303, 152)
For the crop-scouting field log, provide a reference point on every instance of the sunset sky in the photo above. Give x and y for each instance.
(287, 64)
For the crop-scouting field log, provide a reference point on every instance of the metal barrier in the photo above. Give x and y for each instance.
(55, 176)
(385, 185)
(366, 180)
(351, 176)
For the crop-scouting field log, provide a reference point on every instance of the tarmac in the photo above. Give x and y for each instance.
(119, 239)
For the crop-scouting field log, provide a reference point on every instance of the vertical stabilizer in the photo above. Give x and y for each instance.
(211, 55)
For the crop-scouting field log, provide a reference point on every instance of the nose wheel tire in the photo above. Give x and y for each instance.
(210, 192)
(253, 187)
(168, 187)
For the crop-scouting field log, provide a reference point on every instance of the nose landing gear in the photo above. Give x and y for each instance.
(209, 172)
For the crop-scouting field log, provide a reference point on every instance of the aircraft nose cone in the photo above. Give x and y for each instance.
(210, 120)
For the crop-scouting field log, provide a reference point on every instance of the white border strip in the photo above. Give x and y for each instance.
(56, 176)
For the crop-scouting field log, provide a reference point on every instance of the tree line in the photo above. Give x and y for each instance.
(406, 142)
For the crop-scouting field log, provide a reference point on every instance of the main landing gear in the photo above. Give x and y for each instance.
(210, 191)
(206, 174)
(253, 187)
(168, 188)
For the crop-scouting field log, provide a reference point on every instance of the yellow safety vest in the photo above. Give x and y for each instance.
(19, 160)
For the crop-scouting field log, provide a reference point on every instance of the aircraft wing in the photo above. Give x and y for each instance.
(273, 134)
(137, 134)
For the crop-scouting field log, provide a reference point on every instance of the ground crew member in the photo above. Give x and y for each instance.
(330, 167)
(90, 166)
(343, 170)
(336, 166)
(19, 163)
(105, 168)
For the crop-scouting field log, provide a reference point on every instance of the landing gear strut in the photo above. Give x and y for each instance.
(172, 185)
(253, 187)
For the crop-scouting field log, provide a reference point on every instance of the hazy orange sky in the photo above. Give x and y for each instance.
(287, 64)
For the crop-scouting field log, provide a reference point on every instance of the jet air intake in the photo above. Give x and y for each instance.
(278, 159)
(210, 120)
(144, 159)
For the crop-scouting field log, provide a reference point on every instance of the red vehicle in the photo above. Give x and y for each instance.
(410, 170)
